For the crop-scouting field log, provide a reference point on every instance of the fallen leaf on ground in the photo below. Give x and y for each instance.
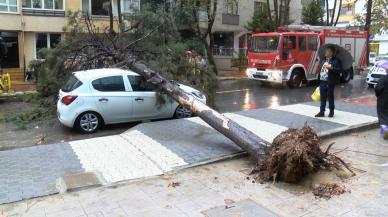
(168, 206)
(354, 134)
(236, 215)
(166, 177)
(40, 140)
(174, 184)
(228, 201)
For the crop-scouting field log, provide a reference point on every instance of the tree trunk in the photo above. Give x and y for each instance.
(111, 29)
(269, 11)
(333, 14)
(327, 12)
(248, 141)
(209, 54)
(121, 25)
(339, 12)
(368, 20)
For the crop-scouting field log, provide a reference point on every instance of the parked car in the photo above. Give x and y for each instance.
(375, 73)
(381, 57)
(96, 97)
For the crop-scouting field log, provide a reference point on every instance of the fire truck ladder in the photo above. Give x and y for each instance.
(307, 28)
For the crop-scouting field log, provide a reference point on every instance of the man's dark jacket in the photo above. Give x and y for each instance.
(381, 91)
(333, 74)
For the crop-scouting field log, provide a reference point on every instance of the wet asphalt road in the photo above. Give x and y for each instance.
(232, 95)
(239, 95)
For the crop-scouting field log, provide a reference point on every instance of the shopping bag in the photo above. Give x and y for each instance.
(316, 96)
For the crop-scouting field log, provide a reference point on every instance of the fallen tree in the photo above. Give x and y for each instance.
(106, 49)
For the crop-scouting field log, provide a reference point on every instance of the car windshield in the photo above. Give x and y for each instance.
(71, 84)
(264, 44)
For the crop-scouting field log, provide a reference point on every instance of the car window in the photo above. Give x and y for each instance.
(71, 84)
(313, 44)
(109, 84)
(138, 83)
(302, 43)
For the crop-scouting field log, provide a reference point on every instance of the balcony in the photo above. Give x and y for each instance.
(231, 19)
(43, 12)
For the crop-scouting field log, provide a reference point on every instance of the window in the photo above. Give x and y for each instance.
(9, 6)
(302, 43)
(43, 4)
(289, 42)
(72, 84)
(138, 83)
(259, 6)
(96, 7)
(109, 84)
(11, 42)
(313, 43)
(130, 6)
(45, 40)
(231, 7)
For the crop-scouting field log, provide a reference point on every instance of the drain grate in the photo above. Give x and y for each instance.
(243, 208)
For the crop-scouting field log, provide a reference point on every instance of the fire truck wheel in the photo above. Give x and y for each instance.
(296, 79)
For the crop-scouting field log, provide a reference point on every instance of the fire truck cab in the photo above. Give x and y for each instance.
(291, 54)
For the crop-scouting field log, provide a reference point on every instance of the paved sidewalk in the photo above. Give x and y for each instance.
(209, 188)
(157, 148)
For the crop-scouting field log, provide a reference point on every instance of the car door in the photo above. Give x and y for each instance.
(145, 103)
(112, 100)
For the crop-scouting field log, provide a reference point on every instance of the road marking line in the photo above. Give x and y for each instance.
(340, 117)
(266, 130)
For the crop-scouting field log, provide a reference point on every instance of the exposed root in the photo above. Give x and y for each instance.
(294, 154)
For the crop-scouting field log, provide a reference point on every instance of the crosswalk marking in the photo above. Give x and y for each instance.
(341, 117)
(266, 130)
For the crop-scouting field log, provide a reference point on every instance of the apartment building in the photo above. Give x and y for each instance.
(229, 30)
(350, 9)
(30, 25)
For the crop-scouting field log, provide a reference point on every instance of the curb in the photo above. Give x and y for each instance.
(230, 78)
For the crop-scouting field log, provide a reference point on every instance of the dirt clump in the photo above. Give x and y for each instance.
(293, 155)
(327, 190)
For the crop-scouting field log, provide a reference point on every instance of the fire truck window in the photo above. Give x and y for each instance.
(289, 43)
(302, 43)
(313, 44)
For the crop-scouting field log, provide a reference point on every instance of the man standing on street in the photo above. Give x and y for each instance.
(328, 77)
(381, 91)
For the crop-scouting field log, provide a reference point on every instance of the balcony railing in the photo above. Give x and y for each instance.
(231, 19)
(43, 12)
(229, 52)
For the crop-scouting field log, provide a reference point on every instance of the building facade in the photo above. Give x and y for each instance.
(350, 9)
(27, 26)
(229, 31)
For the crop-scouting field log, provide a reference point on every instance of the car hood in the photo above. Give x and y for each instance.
(190, 90)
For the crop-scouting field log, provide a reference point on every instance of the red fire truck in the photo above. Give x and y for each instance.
(291, 54)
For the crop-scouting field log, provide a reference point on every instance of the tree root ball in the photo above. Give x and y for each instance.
(294, 154)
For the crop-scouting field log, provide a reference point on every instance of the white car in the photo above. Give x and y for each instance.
(96, 97)
(374, 74)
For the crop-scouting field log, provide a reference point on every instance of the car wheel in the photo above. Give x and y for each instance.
(88, 122)
(371, 85)
(182, 112)
(296, 79)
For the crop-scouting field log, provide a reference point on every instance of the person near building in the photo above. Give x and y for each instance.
(381, 91)
(328, 78)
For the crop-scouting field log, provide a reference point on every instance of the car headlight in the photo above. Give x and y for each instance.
(198, 94)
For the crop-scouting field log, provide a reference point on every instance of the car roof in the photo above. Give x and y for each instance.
(92, 73)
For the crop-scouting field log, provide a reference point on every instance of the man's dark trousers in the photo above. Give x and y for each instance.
(327, 94)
